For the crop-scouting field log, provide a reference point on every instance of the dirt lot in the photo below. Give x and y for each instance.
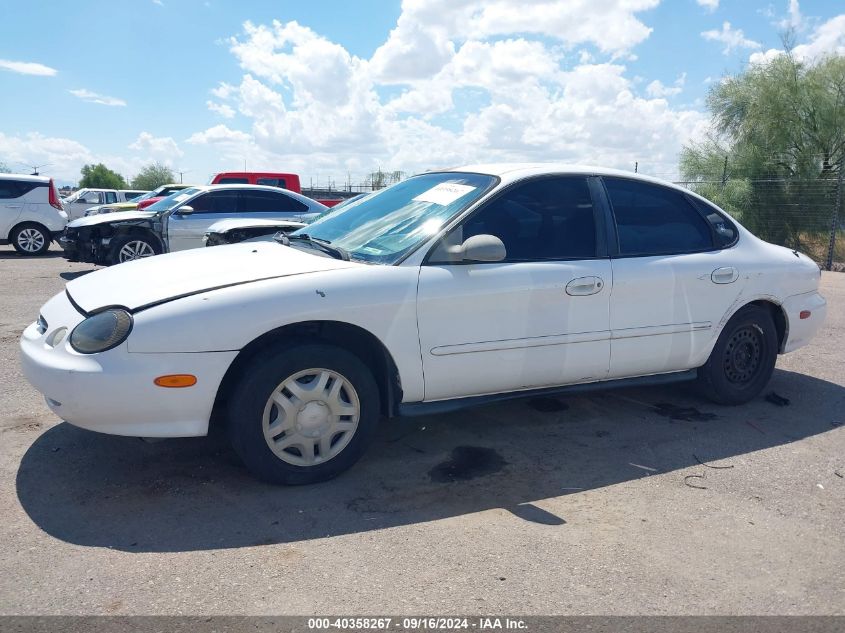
(578, 505)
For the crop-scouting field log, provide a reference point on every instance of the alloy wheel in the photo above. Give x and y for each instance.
(136, 249)
(30, 240)
(311, 417)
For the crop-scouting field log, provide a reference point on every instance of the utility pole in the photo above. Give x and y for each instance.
(834, 220)
(636, 167)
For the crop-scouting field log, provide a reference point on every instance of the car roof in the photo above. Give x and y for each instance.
(24, 177)
(510, 172)
(244, 187)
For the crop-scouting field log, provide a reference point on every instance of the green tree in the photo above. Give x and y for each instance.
(781, 127)
(381, 179)
(101, 177)
(153, 176)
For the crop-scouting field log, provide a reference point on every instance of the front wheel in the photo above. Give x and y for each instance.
(303, 414)
(31, 239)
(743, 359)
(131, 247)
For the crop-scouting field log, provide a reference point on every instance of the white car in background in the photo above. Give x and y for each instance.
(80, 201)
(448, 289)
(31, 213)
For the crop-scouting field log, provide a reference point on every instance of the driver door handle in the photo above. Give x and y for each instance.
(584, 286)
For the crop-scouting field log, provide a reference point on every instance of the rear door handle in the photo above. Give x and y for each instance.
(726, 275)
(584, 286)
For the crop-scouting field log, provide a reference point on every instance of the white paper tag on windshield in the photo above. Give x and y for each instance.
(444, 193)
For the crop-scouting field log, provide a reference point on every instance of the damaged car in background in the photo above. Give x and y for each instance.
(237, 230)
(179, 221)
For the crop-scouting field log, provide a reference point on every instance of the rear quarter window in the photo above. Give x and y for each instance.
(16, 188)
(724, 230)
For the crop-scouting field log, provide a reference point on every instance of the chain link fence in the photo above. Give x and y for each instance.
(800, 213)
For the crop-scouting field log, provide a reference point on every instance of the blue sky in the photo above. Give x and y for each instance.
(337, 89)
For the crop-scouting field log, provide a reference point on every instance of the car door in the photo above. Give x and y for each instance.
(186, 230)
(674, 278)
(270, 205)
(538, 318)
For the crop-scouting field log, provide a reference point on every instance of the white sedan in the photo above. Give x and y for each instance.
(448, 289)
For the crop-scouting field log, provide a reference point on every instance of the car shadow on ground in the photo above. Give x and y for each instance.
(13, 254)
(193, 494)
(70, 276)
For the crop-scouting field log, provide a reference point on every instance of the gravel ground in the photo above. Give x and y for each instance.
(577, 505)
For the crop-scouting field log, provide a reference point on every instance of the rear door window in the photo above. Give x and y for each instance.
(233, 181)
(269, 202)
(655, 220)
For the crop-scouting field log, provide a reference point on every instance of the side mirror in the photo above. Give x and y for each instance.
(185, 210)
(480, 248)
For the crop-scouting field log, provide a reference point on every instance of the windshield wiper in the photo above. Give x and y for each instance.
(324, 245)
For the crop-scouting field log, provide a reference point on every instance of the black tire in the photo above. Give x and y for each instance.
(148, 244)
(250, 399)
(743, 359)
(31, 239)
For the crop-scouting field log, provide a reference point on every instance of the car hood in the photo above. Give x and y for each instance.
(162, 278)
(107, 218)
(241, 223)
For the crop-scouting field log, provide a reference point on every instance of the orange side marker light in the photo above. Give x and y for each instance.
(176, 381)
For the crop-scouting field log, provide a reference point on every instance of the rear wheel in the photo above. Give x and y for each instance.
(743, 359)
(31, 239)
(303, 414)
(131, 247)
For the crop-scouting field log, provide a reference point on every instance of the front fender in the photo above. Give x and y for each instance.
(378, 299)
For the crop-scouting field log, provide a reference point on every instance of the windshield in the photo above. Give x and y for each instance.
(386, 225)
(145, 196)
(173, 200)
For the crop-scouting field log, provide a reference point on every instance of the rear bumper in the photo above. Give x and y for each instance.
(802, 330)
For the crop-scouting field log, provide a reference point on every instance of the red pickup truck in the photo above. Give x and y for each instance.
(285, 181)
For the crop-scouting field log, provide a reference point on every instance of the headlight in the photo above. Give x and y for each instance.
(101, 332)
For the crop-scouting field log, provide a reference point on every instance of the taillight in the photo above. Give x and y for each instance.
(54, 197)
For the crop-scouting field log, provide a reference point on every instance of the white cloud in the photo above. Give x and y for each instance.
(827, 38)
(93, 97)
(158, 2)
(794, 19)
(162, 148)
(224, 110)
(311, 103)
(62, 157)
(223, 90)
(219, 134)
(428, 32)
(730, 37)
(710, 5)
(658, 90)
(27, 68)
